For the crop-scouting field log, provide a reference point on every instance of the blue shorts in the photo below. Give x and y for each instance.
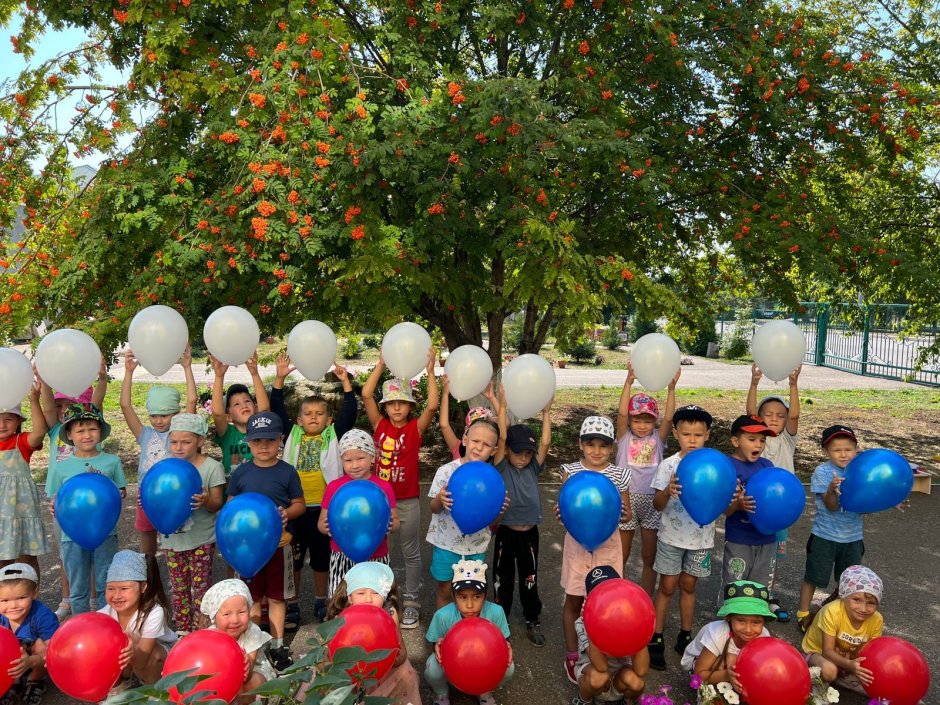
(443, 562)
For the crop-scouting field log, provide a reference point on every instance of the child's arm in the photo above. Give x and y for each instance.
(349, 408)
(491, 398)
(751, 405)
(830, 653)
(261, 394)
(323, 523)
(127, 407)
(626, 512)
(101, 387)
(831, 496)
(662, 497)
(641, 662)
(623, 410)
(192, 396)
(665, 426)
(394, 523)
(219, 417)
(443, 420)
(740, 502)
(27, 662)
(210, 499)
(434, 399)
(793, 418)
(282, 369)
(598, 659)
(47, 400)
(704, 665)
(503, 424)
(38, 433)
(141, 654)
(441, 500)
(296, 507)
(368, 393)
(545, 442)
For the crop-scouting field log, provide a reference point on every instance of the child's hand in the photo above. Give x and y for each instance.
(863, 674)
(252, 364)
(558, 514)
(283, 513)
(187, 359)
(834, 485)
(282, 366)
(505, 504)
(445, 499)
(502, 395)
(904, 506)
(488, 393)
(342, 374)
(39, 376)
(52, 507)
(510, 653)
(748, 504)
(103, 369)
(219, 368)
(247, 666)
(437, 649)
(20, 665)
(432, 357)
(734, 680)
(631, 375)
(393, 613)
(34, 390)
(445, 385)
(548, 407)
(326, 525)
(675, 380)
(130, 362)
(124, 658)
(675, 488)
(756, 374)
(199, 501)
(795, 375)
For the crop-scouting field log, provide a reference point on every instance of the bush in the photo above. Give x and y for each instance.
(512, 334)
(611, 339)
(353, 346)
(581, 350)
(694, 341)
(372, 341)
(641, 326)
(737, 341)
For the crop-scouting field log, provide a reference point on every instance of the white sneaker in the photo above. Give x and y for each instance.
(63, 610)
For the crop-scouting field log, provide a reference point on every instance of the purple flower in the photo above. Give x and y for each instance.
(696, 681)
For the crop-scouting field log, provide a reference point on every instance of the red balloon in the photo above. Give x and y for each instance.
(9, 651)
(211, 653)
(900, 670)
(773, 673)
(83, 654)
(619, 617)
(475, 655)
(373, 629)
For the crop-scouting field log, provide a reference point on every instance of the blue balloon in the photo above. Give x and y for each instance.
(87, 507)
(358, 517)
(875, 480)
(247, 531)
(708, 483)
(779, 497)
(166, 493)
(590, 507)
(478, 492)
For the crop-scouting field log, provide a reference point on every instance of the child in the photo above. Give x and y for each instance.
(476, 413)
(469, 588)
(33, 624)
(684, 549)
(227, 604)
(783, 418)
(397, 435)
(596, 443)
(449, 542)
(23, 538)
(84, 428)
(520, 461)
(711, 655)
(136, 600)
(163, 403)
(603, 678)
(358, 454)
(236, 406)
(278, 481)
(640, 449)
(190, 550)
(843, 626)
(835, 541)
(748, 554)
(372, 583)
(312, 448)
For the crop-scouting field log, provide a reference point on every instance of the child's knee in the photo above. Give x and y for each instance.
(593, 682)
(829, 670)
(629, 683)
(687, 583)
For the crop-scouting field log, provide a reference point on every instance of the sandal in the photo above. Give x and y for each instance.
(781, 614)
(292, 617)
(410, 615)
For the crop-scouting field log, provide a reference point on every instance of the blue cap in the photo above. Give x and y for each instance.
(264, 424)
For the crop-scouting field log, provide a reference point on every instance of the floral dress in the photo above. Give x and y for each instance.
(21, 530)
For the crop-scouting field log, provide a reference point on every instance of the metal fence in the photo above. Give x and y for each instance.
(869, 340)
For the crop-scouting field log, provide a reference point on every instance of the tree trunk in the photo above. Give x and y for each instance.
(535, 328)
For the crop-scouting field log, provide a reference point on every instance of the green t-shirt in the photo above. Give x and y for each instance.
(235, 450)
(200, 528)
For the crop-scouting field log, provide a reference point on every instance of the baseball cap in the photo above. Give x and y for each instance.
(643, 404)
(597, 427)
(750, 424)
(773, 397)
(18, 571)
(264, 424)
(469, 574)
(836, 432)
(598, 575)
(520, 438)
(746, 597)
(691, 412)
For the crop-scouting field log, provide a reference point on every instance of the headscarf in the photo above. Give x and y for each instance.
(192, 423)
(220, 592)
(127, 566)
(163, 401)
(858, 578)
(356, 439)
(370, 574)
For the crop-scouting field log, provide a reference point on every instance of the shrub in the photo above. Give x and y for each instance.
(372, 341)
(611, 339)
(737, 341)
(353, 346)
(581, 350)
(512, 334)
(694, 340)
(641, 326)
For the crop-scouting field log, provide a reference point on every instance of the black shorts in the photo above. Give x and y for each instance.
(309, 539)
(825, 559)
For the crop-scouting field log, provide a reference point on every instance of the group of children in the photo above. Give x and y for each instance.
(301, 462)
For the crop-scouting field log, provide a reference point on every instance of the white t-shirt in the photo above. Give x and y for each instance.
(677, 528)
(155, 626)
(443, 531)
(251, 641)
(780, 449)
(713, 636)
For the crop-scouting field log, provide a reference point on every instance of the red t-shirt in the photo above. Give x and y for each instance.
(331, 490)
(396, 456)
(20, 441)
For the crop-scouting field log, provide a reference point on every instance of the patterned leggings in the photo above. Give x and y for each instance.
(190, 577)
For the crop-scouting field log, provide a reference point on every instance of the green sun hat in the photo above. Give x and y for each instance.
(746, 597)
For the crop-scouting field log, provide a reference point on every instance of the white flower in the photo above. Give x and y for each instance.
(832, 695)
(725, 687)
(815, 672)
(732, 697)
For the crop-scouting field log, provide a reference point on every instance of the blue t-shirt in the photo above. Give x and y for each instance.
(40, 623)
(104, 464)
(154, 447)
(525, 505)
(839, 526)
(280, 482)
(738, 526)
(448, 615)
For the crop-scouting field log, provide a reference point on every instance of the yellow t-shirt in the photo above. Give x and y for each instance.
(832, 619)
(308, 467)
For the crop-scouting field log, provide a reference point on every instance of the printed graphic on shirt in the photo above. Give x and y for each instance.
(641, 451)
(388, 467)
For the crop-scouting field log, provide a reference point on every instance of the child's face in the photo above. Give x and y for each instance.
(841, 451)
(9, 423)
(184, 444)
(265, 450)
(161, 422)
(84, 434)
(397, 411)
(240, 408)
(774, 415)
(61, 405)
(232, 617)
(480, 441)
(519, 459)
(691, 435)
(357, 464)
(748, 446)
(596, 453)
(642, 425)
(469, 602)
(124, 596)
(314, 417)
(746, 627)
(366, 596)
(16, 597)
(859, 606)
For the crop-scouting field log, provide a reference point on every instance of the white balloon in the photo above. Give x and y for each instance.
(311, 347)
(231, 334)
(158, 336)
(16, 377)
(656, 360)
(68, 361)
(469, 369)
(529, 381)
(405, 349)
(778, 348)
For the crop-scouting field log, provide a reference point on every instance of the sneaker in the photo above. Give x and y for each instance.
(487, 699)
(657, 651)
(569, 670)
(32, 693)
(265, 624)
(576, 700)
(682, 640)
(292, 618)
(805, 621)
(63, 610)
(534, 632)
(781, 614)
(281, 658)
(409, 616)
(319, 610)
(12, 696)
(442, 699)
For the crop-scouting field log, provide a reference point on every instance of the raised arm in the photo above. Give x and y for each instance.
(101, 387)
(434, 398)
(47, 401)
(127, 407)
(38, 432)
(282, 369)
(665, 425)
(503, 424)
(623, 410)
(349, 409)
(751, 405)
(545, 442)
(443, 419)
(261, 394)
(368, 393)
(192, 396)
(793, 418)
(219, 417)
